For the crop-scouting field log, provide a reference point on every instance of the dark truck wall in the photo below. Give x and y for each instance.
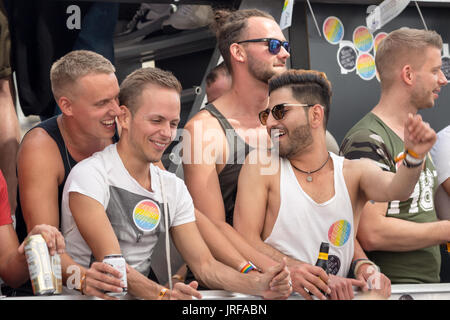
(352, 96)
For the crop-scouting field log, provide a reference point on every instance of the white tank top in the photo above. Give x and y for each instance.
(302, 224)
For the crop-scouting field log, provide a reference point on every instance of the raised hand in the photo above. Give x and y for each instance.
(419, 137)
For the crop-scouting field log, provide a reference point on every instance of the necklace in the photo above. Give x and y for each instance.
(309, 178)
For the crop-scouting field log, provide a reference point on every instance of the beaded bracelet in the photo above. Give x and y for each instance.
(162, 293)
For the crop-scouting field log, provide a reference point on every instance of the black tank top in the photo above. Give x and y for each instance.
(51, 127)
(228, 177)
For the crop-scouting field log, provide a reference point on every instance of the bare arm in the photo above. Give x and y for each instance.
(216, 275)
(39, 173)
(94, 226)
(383, 186)
(219, 245)
(13, 264)
(378, 232)
(249, 216)
(9, 139)
(446, 186)
(200, 174)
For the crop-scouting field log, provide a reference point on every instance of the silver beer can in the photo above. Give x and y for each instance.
(39, 265)
(117, 261)
(56, 273)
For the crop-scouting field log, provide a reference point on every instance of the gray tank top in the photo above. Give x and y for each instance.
(228, 177)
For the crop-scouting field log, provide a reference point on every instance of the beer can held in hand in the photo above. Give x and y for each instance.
(118, 262)
(56, 273)
(39, 265)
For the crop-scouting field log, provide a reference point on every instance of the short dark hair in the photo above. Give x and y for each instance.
(230, 25)
(131, 88)
(308, 86)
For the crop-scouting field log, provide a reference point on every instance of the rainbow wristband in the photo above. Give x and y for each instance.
(247, 268)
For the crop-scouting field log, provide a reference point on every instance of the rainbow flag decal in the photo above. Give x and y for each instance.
(339, 233)
(146, 215)
(365, 66)
(363, 39)
(333, 30)
(380, 36)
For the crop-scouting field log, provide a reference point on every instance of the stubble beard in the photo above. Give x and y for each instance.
(299, 140)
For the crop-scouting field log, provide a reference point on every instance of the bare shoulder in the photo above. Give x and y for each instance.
(357, 164)
(39, 150)
(262, 165)
(204, 118)
(38, 141)
(355, 171)
(206, 139)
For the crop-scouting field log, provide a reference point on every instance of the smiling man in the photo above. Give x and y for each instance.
(317, 196)
(86, 89)
(402, 236)
(254, 49)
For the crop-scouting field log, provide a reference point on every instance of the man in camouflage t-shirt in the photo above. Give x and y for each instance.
(402, 237)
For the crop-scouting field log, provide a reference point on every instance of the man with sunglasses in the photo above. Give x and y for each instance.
(316, 195)
(254, 49)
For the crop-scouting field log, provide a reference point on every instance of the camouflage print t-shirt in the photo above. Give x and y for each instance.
(372, 138)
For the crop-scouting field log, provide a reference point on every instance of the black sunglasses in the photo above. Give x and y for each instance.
(278, 111)
(273, 44)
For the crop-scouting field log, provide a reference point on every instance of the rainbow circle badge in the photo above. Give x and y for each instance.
(363, 39)
(365, 66)
(380, 36)
(333, 30)
(339, 233)
(146, 215)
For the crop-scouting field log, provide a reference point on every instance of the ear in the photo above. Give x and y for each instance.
(407, 74)
(316, 116)
(124, 119)
(238, 53)
(65, 104)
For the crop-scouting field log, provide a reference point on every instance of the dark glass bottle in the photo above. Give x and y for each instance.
(322, 261)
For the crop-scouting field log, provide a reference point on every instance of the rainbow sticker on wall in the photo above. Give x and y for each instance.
(339, 233)
(365, 66)
(333, 30)
(380, 36)
(363, 39)
(146, 215)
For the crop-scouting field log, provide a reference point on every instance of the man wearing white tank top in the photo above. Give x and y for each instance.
(314, 196)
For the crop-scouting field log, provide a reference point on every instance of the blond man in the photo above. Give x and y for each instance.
(402, 236)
